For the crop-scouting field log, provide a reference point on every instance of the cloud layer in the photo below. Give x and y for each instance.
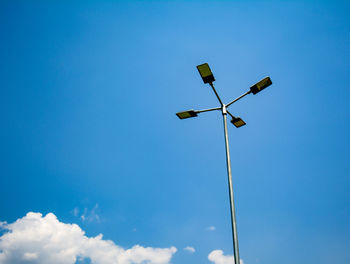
(38, 239)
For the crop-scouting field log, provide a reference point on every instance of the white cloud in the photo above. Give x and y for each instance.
(217, 257)
(90, 215)
(211, 228)
(75, 211)
(46, 240)
(189, 249)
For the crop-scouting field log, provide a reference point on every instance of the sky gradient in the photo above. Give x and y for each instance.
(88, 96)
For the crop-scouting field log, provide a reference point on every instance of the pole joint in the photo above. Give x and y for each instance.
(224, 110)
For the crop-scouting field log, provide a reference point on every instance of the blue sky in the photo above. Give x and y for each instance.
(89, 93)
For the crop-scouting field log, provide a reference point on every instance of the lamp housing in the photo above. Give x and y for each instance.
(237, 122)
(186, 114)
(259, 86)
(205, 72)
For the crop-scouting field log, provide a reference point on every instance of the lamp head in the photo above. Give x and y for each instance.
(259, 86)
(237, 122)
(205, 73)
(186, 114)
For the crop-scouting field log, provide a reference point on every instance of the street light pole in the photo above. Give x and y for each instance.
(208, 77)
(229, 176)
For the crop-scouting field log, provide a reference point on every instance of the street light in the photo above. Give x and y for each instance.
(260, 85)
(208, 77)
(205, 72)
(237, 122)
(186, 114)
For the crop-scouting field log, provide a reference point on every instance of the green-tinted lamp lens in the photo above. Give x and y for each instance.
(206, 73)
(238, 122)
(186, 114)
(261, 85)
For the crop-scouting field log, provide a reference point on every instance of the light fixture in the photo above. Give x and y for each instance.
(205, 73)
(238, 122)
(186, 114)
(261, 85)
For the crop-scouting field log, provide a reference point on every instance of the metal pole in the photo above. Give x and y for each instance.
(232, 204)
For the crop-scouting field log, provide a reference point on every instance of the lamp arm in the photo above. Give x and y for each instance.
(230, 103)
(207, 110)
(217, 96)
(230, 114)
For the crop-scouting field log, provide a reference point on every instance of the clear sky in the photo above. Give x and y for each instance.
(88, 96)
